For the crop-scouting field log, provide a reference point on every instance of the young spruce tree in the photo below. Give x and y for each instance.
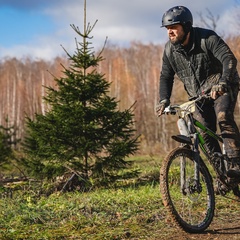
(7, 143)
(83, 131)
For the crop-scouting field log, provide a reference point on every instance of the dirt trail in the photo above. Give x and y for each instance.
(225, 226)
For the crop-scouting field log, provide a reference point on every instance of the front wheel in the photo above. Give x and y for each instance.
(189, 199)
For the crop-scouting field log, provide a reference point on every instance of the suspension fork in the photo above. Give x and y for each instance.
(183, 174)
(196, 158)
(183, 180)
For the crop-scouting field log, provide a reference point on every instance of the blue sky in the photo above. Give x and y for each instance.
(38, 28)
(19, 26)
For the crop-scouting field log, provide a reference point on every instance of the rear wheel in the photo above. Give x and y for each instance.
(190, 203)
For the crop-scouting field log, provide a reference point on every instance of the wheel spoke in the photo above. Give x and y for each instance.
(190, 201)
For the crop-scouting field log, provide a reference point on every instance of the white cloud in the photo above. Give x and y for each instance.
(229, 22)
(121, 21)
(22, 51)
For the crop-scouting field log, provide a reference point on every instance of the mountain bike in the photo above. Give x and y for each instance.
(186, 183)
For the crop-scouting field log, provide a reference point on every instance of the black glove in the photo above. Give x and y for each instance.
(161, 106)
(219, 89)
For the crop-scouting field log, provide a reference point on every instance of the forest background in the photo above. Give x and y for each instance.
(134, 75)
(130, 209)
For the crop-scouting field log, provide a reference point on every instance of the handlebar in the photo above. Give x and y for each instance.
(171, 109)
(185, 108)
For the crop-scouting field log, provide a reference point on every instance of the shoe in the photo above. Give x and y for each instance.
(236, 191)
(234, 173)
(234, 169)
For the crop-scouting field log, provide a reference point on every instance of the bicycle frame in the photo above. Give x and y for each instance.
(199, 142)
(186, 183)
(185, 111)
(194, 138)
(209, 132)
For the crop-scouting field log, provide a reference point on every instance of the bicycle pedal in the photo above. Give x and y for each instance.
(233, 182)
(221, 189)
(221, 192)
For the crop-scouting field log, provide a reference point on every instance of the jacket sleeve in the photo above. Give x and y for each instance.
(166, 78)
(222, 52)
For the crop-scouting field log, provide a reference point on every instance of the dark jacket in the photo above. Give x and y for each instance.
(206, 60)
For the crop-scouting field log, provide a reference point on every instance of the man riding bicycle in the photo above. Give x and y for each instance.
(206, 65)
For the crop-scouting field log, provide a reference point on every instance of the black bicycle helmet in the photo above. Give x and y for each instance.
(177, 15)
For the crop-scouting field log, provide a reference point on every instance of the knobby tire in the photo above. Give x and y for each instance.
(192, 210)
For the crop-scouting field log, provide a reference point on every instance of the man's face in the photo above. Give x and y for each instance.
(176, 34)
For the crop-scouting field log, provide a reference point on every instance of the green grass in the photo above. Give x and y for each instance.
(103, 214)
(131, 209)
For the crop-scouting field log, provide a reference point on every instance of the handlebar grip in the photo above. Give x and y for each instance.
(170, 110)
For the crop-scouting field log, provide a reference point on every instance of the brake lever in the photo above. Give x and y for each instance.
(170, 110)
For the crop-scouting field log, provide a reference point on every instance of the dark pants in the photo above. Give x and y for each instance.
(220, 112)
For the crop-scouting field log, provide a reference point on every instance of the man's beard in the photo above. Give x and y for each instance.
(179, 40)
